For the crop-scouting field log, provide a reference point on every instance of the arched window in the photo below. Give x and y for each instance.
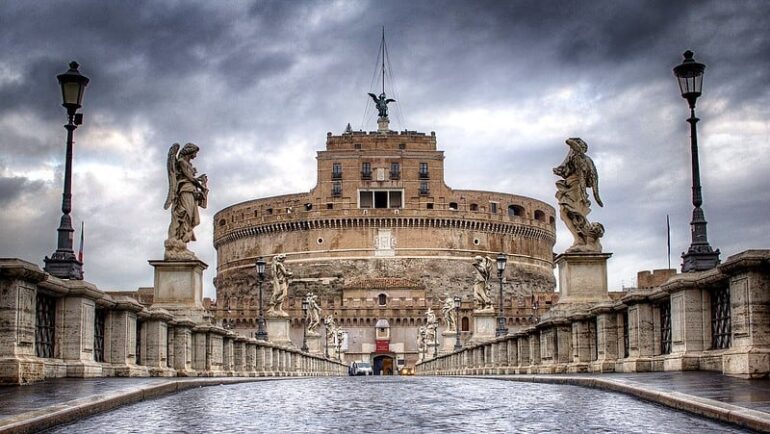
(539, 215)
(552, 220)
(382, 299)
(465, 324)
(515, 211)
(474, 207)
(222, 222)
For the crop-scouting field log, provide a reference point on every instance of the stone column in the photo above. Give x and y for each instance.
(522, 342)
(200, 349)
(269, 369)
(185, 347)
(607, 338)
(749, 353)
(534, 350)
(18, 292)
(689, 336)
(582, 343)
(228, 353)
(215, 348)
(156, 342)
(77, 311)
(513, 355)
(239, 356)
(640, 333)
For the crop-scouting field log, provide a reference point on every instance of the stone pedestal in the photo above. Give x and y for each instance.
(432, 351)
(484, 324)
(383, 125)
(314, 344)
(278, 331)
(448, 341)
(179, 288)
(582, 277)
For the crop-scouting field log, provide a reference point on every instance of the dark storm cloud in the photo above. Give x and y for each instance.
(13, 188)
(258, 84)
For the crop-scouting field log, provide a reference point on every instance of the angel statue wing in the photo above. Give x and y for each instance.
(171, 167)
(592, 180)
(488, 266)
(374, 97)
(389, 100)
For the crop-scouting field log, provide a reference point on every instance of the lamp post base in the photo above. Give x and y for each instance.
(699, 258)
(64, 265)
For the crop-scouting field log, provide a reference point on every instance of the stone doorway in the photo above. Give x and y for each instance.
(383, 365)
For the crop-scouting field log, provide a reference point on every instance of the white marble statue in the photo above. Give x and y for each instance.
(186, 192)
(579, 174)
(483, 266)
(313, 314)
(450, 314)
(431, 326)
(422, 344)
(280, 287)
(331, 332)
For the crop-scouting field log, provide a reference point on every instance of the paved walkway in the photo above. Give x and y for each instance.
(37, 406)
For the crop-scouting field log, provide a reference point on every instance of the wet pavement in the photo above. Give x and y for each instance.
(405, 404)
(753, 394)
(385, 403)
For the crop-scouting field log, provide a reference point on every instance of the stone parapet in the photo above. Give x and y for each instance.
(51, 328)
(671, 327)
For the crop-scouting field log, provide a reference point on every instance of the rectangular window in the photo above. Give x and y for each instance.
(424, 171)
(493, 207)
(380, 199)
(424, 191)
(337, 171)
(337, 189)
(395, 171)
(366, 199)
(395, 199)
(721, 325)
(366, 170)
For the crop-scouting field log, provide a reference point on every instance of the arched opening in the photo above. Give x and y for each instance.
(474, 207)
(382, 299)
(516, 211)
(539, 215)
(383, 365)
(465, 324)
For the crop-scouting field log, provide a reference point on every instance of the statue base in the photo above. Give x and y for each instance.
(178, 288)
(383, 125)
(582, 277)
(449, 338)
(278, 331)
(484, 324)
(314, 344)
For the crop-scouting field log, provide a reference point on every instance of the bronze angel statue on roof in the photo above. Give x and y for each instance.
(382, 103)
(579, 174)
(186, 192)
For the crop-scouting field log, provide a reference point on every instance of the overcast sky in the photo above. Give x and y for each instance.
(257, 85)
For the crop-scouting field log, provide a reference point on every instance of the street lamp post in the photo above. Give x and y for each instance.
(63, 263)
(700, 256)
(458, 301)
(261, 332)
(501, 329)
(326, 340)
(305, 306)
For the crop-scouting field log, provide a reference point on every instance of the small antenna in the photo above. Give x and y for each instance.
(383, 59)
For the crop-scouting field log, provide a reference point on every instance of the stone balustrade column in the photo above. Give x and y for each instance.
(155, 343)
(606, 337)
(185, 348)
(523, 349)
(76, 334)
(18, 298)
